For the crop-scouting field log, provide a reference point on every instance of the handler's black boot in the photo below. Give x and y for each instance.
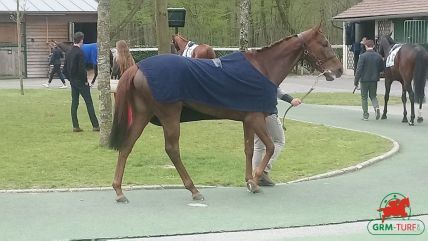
(265, 180)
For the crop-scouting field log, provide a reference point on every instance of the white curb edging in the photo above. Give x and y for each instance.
(395, 148)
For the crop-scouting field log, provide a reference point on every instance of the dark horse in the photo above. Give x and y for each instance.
(272, 63)
(188, 48)
(409, 65)
(66, 46)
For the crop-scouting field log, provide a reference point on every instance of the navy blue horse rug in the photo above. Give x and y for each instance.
(229, 82)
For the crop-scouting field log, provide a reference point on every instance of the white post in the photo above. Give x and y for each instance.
(346, 70)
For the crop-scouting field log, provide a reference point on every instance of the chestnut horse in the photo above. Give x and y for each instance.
(188, 48)
(273, 63)
(409, 65)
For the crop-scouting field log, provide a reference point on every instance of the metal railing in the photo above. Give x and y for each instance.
(416, 31)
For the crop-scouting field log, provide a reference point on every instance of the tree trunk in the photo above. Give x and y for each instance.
(265, 36)
(244, 24)
(162, 32)
(283, 14)
(103, 40)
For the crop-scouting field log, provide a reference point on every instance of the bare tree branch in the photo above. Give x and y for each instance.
(127, 19)
(284, 16)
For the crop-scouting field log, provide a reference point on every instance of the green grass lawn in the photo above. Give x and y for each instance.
(342, 98)
(39, 150)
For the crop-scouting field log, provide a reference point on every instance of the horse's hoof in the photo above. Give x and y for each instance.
(411, 123)
(122, 199)
(384, 117)
(198, 197)
(405, 120)
(420, 119)
(252, 186)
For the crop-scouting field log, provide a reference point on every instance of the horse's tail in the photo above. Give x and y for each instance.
(123, 101)
(420, 75)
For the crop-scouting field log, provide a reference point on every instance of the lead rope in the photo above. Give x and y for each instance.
(307, 93)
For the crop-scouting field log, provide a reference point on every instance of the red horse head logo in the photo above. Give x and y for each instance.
(395, 208)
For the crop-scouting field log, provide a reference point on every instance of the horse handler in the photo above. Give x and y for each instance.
(368, 71)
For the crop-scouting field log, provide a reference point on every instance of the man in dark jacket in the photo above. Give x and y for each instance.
(368, 71)
(75, 71)
(55, 61)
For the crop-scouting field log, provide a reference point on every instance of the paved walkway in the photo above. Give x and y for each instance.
(336, 208)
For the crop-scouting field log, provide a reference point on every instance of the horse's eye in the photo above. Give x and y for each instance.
(325, 43)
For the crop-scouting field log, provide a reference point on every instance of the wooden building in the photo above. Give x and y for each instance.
(42, 21)
(407, 20)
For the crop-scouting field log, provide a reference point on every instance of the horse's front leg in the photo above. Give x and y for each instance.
(388, 83)
(249, 151)
(258, 123)
(171, 128)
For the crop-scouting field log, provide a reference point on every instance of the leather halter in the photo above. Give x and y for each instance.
(177, 47)
(308, 55)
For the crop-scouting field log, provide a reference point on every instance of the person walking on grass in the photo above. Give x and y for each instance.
(368, 71)
(122, 59)
(75, 71)
(275, 131)
(55, 61)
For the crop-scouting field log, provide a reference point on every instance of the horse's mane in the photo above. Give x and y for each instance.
(275, 43)
(388, 39)
(181, 37)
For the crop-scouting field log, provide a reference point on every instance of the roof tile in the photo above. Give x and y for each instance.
(50, 6)
(376, 9)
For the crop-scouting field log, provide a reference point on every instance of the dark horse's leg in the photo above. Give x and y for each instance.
(409, 89)
(404, 101)
(388, 82)
(169, 115)
(420, 119)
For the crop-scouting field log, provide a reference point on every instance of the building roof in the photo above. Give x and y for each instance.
(382, 9)
(50, 6)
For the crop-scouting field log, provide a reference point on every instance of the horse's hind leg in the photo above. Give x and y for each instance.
(170, 119)
(140, 120)
(412, 104)
(404, 101)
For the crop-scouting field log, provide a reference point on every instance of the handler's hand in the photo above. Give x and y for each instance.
(296, 102)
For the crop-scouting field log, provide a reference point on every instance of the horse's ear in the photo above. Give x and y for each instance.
(318, 26)
(390, 34)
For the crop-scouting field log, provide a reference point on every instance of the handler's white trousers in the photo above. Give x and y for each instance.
(275, 131)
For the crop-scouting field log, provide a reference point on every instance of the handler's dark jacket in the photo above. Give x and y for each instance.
(56, 56)
(75, 68)
(369, 67)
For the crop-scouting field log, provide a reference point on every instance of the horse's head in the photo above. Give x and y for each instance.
(64, 46)
(384, 44)
(318, 51)
(179, 43)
